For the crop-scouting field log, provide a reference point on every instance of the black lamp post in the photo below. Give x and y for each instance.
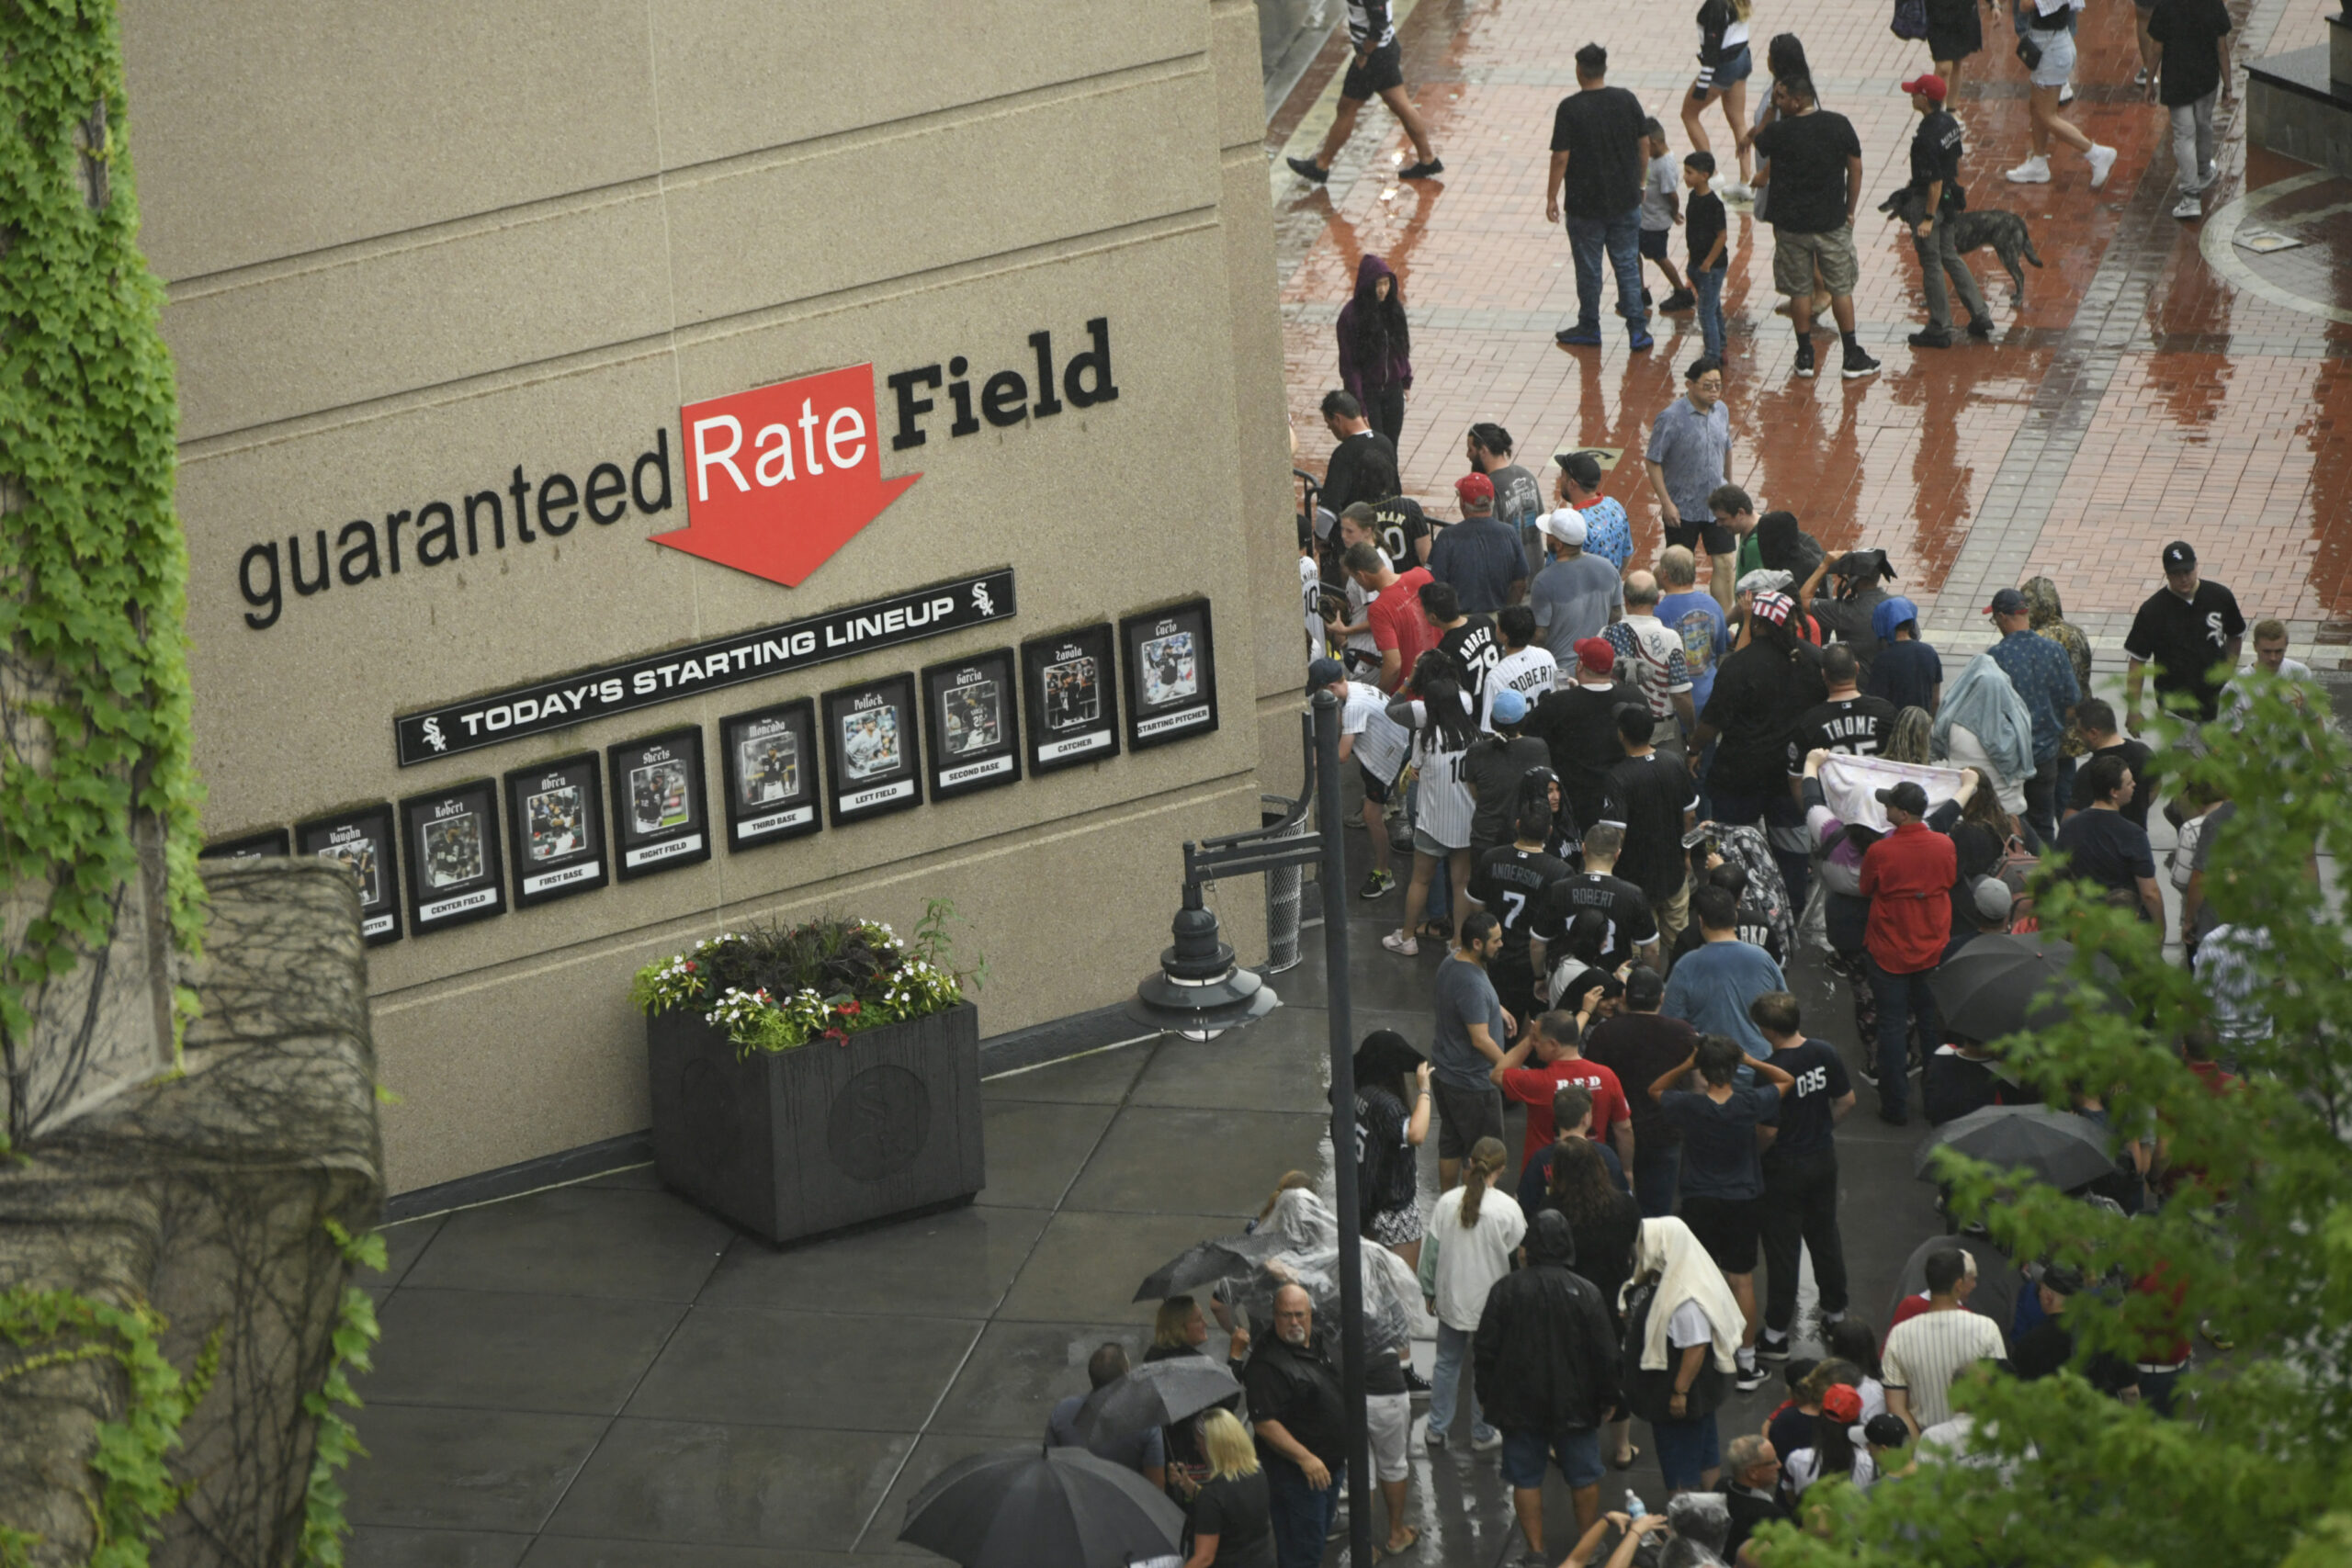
(1199, 993)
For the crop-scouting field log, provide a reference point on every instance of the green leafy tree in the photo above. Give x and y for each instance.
(98, 795)
(2254, 1245)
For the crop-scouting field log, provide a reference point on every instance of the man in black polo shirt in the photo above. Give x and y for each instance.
(1801, 1170)
(1936, 147)
(1599, 159)
(1362, 465)
(1651, 798)
(2186, 630)
(1300, 1419)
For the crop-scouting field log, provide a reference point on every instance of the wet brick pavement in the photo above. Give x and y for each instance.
(2158, 381)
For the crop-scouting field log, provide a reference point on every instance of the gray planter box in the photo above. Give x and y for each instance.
(798, 1144)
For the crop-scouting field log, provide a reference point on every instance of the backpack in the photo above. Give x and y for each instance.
(2014, 866)
(1910, 19)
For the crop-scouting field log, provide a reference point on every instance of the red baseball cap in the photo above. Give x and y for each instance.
(1596, 656)
(1474, 487)
(1841, 1403)
(1927, 82)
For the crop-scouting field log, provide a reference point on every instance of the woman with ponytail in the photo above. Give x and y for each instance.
(1471, 1234)
(1443, 721)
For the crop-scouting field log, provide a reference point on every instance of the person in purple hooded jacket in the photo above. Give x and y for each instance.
(1375, 347)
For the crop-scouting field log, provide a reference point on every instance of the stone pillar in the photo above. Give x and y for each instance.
(204, 1196)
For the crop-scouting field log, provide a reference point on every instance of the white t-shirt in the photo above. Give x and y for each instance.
(1531, 671)
(1470, 1260)
(1381, 741)
(2236, 700)
(1805, 1469)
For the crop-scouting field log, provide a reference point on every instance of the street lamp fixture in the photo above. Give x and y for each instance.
(1200, 992)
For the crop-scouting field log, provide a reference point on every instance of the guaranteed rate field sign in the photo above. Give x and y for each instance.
(559, 702)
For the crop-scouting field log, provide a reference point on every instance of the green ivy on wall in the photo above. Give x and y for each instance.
(92, 568)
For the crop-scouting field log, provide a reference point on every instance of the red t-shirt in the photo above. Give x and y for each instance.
(1397, 622)
(1534, 1087)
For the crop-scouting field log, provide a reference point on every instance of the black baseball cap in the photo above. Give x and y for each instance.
(2179, 555)
(1321, 672)
(1905, 796)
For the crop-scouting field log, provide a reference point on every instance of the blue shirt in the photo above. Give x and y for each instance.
(1698, 620)
(1709, 990)
(1906, 674)
(1693, 448)
(2044, 677)
(1607, 533)
(1479, 558)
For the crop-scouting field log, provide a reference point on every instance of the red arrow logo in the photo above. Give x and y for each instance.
(779, 478)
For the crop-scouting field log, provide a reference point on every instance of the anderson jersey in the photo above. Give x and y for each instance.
(1511, 883)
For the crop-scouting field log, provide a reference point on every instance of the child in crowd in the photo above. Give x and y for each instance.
(1709, 239)
(1661, 210)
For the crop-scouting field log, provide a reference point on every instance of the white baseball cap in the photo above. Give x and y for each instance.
(1566, 526)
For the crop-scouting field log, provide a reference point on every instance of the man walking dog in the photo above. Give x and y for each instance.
(1935, 181)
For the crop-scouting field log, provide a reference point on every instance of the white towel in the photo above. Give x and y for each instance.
(1850, 786)
(1685, 1273)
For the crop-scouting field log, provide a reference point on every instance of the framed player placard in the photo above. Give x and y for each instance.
(1066, 684)
(770, 762)
(975, 731)
(875, 757)
(555, 830)
(250, 846)
(454, 873)
(361, 840)
(1172, 674)
(661, 820)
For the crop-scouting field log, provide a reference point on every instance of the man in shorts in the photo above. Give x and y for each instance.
(1377, 66)
(1467, 1043)
(1816, 175)
(1689, 459)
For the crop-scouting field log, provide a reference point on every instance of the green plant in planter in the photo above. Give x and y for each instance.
(776, 988)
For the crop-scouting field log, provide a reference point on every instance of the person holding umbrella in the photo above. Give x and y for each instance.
(1231, 1518)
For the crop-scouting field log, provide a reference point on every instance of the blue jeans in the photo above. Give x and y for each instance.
(1708, 286)
(1900, 999)
(1657, 1173)
(1687, 1450)
(1445, 1384)
(1621, 237)
(1302, 1515)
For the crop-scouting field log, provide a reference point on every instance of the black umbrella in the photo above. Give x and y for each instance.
(1990, 987)
(1206, 1262)
(1158, 1394)
(2065, 1150)
(1063, 1508)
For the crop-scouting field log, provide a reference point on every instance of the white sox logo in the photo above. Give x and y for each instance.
(432, 735)
(980, 599)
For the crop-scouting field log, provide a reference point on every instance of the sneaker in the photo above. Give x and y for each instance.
(1308, 170)
(1979, 328)
(1640, 340)
(2066, 93)
(1738, 194)
(1428, 171)
(1771, 1346)
(1432, 1438)
(1416, 1384)
(1486, 1444)
(1396, 941)
(1933, 337)
(1749, 1379)
(1534, 1560)
(2188, 207)
(1578, 337)
(2102, 160)
(2141, 79)
(1379, 882)
(1680, 300)
(2032, 172)
(1859, 364)
(1805, 360)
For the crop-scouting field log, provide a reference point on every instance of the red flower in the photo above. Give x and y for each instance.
(850, 1009)
(690, 966)
(837, 1037)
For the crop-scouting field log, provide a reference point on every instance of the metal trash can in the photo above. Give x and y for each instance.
(1284, 887)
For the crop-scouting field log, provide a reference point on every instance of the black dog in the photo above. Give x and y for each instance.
(1973, 229)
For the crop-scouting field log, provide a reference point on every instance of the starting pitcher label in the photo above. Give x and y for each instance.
(522, 711)
(1170, 721)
